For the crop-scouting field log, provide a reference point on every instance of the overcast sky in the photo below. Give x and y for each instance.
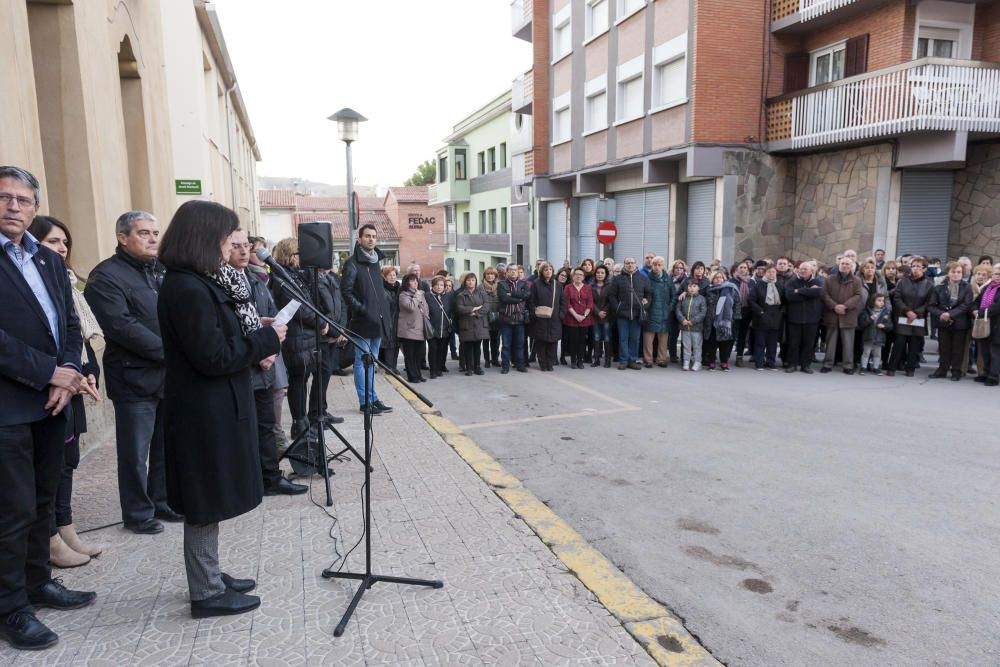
(412, 68)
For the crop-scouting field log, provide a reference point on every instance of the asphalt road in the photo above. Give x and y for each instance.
(786, 519)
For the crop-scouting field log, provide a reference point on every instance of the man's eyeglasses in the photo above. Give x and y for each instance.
(239, 246)
(23, 202)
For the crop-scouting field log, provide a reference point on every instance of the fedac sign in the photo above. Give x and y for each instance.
(417, 221)
(188, 187)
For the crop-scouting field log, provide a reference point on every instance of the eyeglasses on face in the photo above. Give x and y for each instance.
(24, 202)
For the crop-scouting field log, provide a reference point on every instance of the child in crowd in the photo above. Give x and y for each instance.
(875, 323)
(691, 315)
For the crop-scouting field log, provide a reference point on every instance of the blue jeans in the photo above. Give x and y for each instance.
(373, 345)
(628, 337)
(602, 332)
(513, 339)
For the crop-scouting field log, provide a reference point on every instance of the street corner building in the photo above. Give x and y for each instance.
(125, 105)
(720, 129)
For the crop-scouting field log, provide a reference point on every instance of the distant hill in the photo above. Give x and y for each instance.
(307, 187)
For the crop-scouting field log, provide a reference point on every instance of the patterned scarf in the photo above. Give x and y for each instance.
(236, 288)
(744, 287)
(989, 294)
(772, 298)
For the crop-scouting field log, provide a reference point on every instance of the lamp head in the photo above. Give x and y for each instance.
(347, 124)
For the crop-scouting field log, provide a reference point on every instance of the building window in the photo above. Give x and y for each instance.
(482, 222)
(627, 7)
(482, 162)
(595, 109)
(503, 155)
(503, 220)
(561, 119)
(562, 33)
(467, 264)
(670, 72)
(827, 64)
(937, 42)
(630, 91)
(482, 268)
(466, 226)
(597, 17)
(493, 221)
(491, 159)
(460, 164)
(442, 169)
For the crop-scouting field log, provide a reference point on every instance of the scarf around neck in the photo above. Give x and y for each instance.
(772, 298)
(989, 294)
(236, 288)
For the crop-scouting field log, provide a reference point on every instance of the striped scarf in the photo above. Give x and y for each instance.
(989, 295)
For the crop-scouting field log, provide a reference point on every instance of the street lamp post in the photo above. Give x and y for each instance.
(347, 129)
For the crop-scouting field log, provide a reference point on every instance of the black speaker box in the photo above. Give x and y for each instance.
(316, 245)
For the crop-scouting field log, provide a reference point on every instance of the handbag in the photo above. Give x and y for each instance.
(545, 312)
(981, 327)
(428, 328)
(493, 317)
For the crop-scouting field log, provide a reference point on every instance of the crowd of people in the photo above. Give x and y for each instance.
(198, 368)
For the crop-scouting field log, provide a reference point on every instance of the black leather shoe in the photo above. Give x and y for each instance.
(807, 370)
(521, 369)
(285, 488)
(504, 370)
(825, 369)
(226, 603)
(145, 527)
(332, 419)
(848, 371)
(168, 515)
(238, 585)
(375, 411)
(22, 630)
(382, 407)
(54, 595)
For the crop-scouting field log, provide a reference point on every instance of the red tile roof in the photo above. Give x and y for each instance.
(383, 225)
(309, 203)
(410, 194)
(276, 198)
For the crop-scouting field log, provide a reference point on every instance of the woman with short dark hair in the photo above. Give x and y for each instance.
(473, 327)
(212, 335)
(410, 328)
(547, 306)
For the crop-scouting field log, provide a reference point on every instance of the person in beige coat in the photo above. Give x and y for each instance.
(843, 297)
(413, 312)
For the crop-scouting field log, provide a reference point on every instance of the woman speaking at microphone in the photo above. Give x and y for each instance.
(211, 336)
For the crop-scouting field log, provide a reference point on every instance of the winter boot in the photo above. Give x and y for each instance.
(607, 354)
(73, 541)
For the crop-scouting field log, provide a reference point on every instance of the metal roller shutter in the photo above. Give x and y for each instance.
(655, 222)
(701, 221)
(587, 231)
(925, 213)
(630, 224)
(555, 233)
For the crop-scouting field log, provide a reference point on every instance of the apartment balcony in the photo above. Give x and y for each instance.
(521, 92)
(521, 134)
(498, 244)
(925, 95)
(520, 19)
(447, 193)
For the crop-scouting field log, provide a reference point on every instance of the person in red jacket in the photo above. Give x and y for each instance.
(578, 318)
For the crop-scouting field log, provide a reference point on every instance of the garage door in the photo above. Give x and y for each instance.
(555, 233)
(701, 221)
(631, 226)
(586, 241)
(925, 213)
(655, 220)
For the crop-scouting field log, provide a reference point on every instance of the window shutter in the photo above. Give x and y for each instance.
(856, 55)
(796, 72)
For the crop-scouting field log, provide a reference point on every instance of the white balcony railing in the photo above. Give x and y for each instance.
(923, 95)
(810, 9)
(520, 18)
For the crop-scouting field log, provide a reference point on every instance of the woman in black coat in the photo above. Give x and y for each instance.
(211, 337)
(546, 292)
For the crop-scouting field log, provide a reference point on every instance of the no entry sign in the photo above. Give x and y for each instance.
(606, 232)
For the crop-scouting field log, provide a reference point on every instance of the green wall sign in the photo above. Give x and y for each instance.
(188, 187)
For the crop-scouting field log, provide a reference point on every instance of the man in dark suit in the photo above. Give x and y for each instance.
(40, 345)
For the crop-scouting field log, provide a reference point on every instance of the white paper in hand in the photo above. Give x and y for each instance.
(285, 315)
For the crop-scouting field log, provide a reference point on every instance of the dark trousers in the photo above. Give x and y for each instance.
(297, 392)
(742, 328)
(991, 358)
(713, 346)
(389, 354)
(575, 342)
(906, 352)
(31, 459)
(266, 440)
(547, 353)
(491, 347)
(437, 355)
(62, 508)
(951, 349)
(801, 344)
(513, 345)
(673, 336)
(413, 357)
(139, 441)
(329, 359)
(452, 340)
(765, 347)
(890, 341)
(470, 354)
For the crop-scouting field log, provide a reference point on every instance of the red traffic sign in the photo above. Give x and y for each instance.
(607, 232)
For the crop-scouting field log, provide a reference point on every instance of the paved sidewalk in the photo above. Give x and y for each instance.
(507, 599)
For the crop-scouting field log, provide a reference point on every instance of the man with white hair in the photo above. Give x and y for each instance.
(843, 296)
(803, 294)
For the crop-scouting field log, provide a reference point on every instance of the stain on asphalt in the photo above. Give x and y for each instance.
(621, 482)
(792, 605)
(566, 437)
(757, 586)
(670, 643)
(701, 553)
(855, 635)
(697, 526)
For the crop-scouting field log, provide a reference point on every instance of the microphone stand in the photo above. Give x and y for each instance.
(367, 578)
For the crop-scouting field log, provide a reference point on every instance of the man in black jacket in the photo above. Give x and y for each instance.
(262, 377)
(40, 346)
(122, 291)
(628, 298)
(364, 294)
(804, 296)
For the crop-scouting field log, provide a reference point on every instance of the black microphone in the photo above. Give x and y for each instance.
(264, 255)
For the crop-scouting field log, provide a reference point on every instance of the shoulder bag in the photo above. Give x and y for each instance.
(981, 327)
(545, 312)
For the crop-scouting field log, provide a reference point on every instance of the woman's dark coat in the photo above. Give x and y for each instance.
(391, 339)
(994, 314)
(959, 315)
(439, 307)
(472, 326)
(600, 293)
(210, 432)
(765, 317)
(662, 300)
(547, 330)
(912, 295)
(301, 337)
